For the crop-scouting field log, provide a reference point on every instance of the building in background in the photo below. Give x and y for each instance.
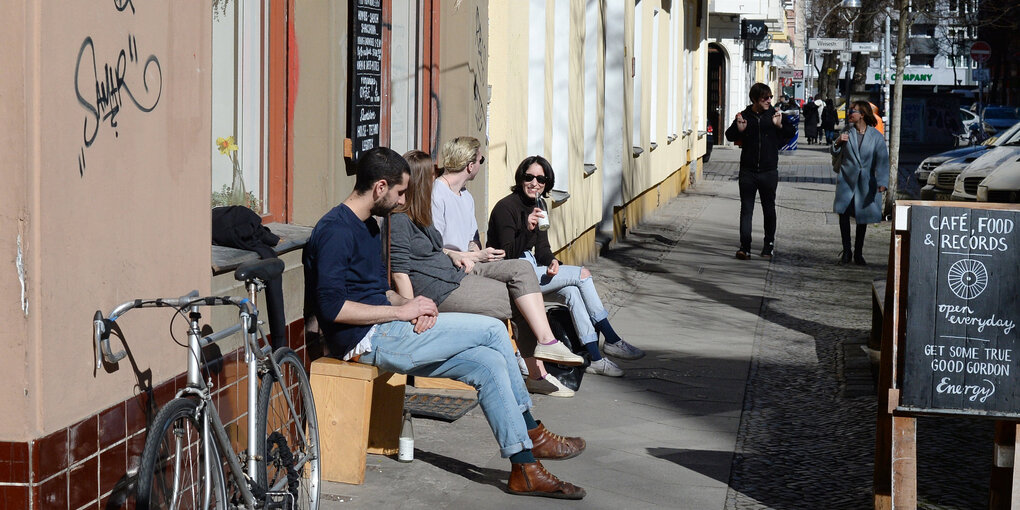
(749, 41)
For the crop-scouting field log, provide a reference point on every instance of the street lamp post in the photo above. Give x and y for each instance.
(848, 6)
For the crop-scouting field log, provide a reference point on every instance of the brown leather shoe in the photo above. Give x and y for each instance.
(554, 446)
(532, 479)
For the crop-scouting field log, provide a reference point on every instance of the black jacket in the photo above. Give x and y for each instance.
(761, 139)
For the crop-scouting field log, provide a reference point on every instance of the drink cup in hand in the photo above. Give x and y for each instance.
(543, 221)
(543, 217)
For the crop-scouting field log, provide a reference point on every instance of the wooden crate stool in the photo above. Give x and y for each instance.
(359, 411)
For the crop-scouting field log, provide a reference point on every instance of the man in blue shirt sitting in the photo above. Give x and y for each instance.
(363, 320)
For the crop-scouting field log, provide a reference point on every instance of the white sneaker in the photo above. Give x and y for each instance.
(557, 353)
(548, 386)
(621, 349)
(604, 367)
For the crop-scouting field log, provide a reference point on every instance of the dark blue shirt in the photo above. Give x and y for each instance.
(343, 262)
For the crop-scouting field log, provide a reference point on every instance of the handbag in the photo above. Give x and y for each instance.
(837, 162)
(563, 328)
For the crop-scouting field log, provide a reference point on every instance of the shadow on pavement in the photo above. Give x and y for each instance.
(494, 477)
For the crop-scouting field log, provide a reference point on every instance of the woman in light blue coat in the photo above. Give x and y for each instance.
(862, 177)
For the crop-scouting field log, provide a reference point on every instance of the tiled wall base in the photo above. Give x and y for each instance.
(91, 464)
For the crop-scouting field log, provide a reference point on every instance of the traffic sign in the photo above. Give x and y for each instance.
(981, 75)
(823, 43)
(980, 51)
(795, 74)
(844, 56)
(864, 47)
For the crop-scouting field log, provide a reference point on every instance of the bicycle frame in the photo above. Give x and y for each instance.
(212, 426)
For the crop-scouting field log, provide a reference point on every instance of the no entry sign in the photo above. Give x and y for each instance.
(980, 51)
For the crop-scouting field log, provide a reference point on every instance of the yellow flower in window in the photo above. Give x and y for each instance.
(226, 145)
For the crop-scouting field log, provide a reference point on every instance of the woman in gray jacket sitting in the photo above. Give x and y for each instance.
(421, 266)
(862, 177)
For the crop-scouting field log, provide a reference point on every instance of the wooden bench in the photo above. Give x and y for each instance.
(359, 410)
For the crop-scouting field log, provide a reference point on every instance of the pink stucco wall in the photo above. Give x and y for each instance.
(105, 136)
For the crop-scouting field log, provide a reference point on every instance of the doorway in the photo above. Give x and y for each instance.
(716, 113)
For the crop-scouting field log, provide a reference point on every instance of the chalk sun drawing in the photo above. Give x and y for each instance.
(968, 278)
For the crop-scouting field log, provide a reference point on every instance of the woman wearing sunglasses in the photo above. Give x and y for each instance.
(513, 228)
(862, 177)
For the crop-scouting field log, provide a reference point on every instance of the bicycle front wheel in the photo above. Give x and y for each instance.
(172, 473)
(289, 456)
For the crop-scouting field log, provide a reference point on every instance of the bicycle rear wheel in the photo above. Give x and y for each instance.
(290, 464)
(171, 473)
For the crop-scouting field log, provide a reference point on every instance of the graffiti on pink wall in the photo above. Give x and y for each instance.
(480, 91)
(102, 91)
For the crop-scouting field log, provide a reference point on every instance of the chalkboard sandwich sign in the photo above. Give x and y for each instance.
(962, 349)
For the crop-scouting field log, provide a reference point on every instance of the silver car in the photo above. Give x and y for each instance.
(967, 182)
(1002, 185)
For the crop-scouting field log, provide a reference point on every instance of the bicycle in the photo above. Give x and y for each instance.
(182, 463)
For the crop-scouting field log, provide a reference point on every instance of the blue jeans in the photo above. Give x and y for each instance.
(579, 295)
(473, 349)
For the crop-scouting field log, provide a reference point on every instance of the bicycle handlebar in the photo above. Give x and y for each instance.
(103, 326)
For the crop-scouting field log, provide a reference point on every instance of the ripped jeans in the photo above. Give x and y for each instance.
(579, 295)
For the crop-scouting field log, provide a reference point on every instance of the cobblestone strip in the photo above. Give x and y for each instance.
(805, 441)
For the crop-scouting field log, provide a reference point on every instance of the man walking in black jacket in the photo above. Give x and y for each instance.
(760, 130)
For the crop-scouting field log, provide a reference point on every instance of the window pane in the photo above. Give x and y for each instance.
(237, 105)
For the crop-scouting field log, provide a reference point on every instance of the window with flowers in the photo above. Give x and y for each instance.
(249, 70)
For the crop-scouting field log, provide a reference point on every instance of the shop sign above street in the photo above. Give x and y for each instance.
(864, 47)
(796, 74)
(761, 56)
(907, 77)
(753, 29)
(827, 43)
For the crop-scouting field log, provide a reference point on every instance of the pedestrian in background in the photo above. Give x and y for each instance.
(829, 119)
(811, 120)
(760, 130)
(862, 177)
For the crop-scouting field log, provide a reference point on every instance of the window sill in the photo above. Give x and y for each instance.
(558, 197)
(292, 237)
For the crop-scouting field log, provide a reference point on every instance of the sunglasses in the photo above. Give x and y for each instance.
(855, 111)
(765, 98)
(540, 178)
(481, 161)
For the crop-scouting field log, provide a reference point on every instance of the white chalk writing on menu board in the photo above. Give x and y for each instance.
(366, 75)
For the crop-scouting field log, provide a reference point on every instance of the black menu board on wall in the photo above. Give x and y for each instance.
(365, 77)
(962, 347)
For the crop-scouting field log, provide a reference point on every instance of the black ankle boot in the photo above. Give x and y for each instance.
(844, 257)
(859, 259)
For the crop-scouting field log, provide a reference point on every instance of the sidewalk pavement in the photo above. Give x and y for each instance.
(755, 392)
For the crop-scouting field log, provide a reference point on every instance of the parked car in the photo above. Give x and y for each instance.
(941, 180)
(1002, 185)
(967, 182)
(1001, 117)
(930, 163)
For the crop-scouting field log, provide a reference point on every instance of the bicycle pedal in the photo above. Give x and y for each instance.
(279, 501)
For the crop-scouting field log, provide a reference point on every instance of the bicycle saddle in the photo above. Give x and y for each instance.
(265, 270)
